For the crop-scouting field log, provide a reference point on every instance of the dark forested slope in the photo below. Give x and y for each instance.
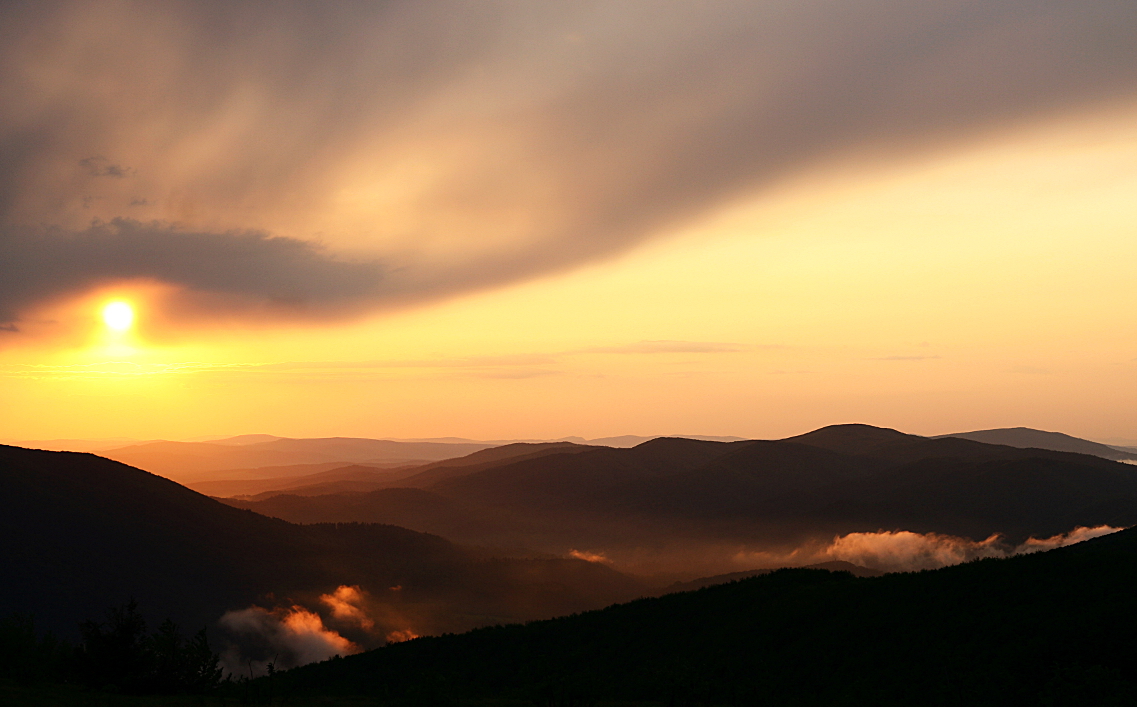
(1051, 628)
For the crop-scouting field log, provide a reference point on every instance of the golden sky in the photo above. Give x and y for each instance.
(538, 220)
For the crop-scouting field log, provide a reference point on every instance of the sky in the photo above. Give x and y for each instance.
(535, 219)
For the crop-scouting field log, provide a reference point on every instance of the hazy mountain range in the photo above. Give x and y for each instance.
(259, 456)
(675, 503)
(367, 554)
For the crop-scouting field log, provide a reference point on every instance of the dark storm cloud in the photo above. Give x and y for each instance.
(246, 272)
(554, 133)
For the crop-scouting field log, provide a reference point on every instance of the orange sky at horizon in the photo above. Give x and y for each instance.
(537, 220)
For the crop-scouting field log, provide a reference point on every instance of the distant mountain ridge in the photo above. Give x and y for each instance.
(700, 498)
(1029, 437)
(189, 462)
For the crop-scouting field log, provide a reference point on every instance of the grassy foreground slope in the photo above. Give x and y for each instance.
(1057, 627)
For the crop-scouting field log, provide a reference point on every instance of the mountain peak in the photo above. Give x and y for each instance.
(851, 438)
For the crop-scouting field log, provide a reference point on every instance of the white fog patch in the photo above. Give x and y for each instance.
(285, 637)
(906, 550)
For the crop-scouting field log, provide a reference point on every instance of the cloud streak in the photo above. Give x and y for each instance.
(451, 147)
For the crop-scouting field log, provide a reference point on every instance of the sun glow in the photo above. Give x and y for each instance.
(119, 316)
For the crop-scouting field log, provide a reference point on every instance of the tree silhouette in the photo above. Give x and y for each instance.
(118, 656)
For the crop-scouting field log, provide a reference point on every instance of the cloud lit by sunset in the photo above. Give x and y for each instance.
(476, 220)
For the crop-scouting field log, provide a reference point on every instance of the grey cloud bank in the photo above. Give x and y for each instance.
(475, 144)
(246, 272)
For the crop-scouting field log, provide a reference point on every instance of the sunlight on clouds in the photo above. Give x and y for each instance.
(899, 295)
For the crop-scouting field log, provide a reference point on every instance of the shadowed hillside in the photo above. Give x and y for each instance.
(82, 533)
(1051, 628)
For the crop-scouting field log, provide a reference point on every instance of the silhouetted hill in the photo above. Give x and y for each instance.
(696, 479)
(80, 533)
(557, 480)
(851, 438)
(1051, 628)
(77, 445)
(1028, 437)
(484, 459)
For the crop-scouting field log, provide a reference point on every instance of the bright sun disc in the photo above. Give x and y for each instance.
(118, 316)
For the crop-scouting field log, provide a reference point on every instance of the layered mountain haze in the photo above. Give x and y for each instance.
(330, 478)
(201, 461)
(360, 556)
(673, 505)
(83, 533)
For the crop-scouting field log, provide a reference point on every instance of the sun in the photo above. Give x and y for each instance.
(118, 315)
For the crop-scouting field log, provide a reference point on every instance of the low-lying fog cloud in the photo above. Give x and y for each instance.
(905, 550)
(345, 621)
(285, 637)
(346, 605)
(900, 550)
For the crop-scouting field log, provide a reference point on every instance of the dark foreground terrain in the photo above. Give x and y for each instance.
(1050, 628)
(1053, 628)
(81, 534)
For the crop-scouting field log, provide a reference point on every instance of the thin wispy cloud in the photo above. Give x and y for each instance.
(907, 357)
(667, 346)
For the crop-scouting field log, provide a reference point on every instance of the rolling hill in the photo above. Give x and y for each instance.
(1028, 437)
